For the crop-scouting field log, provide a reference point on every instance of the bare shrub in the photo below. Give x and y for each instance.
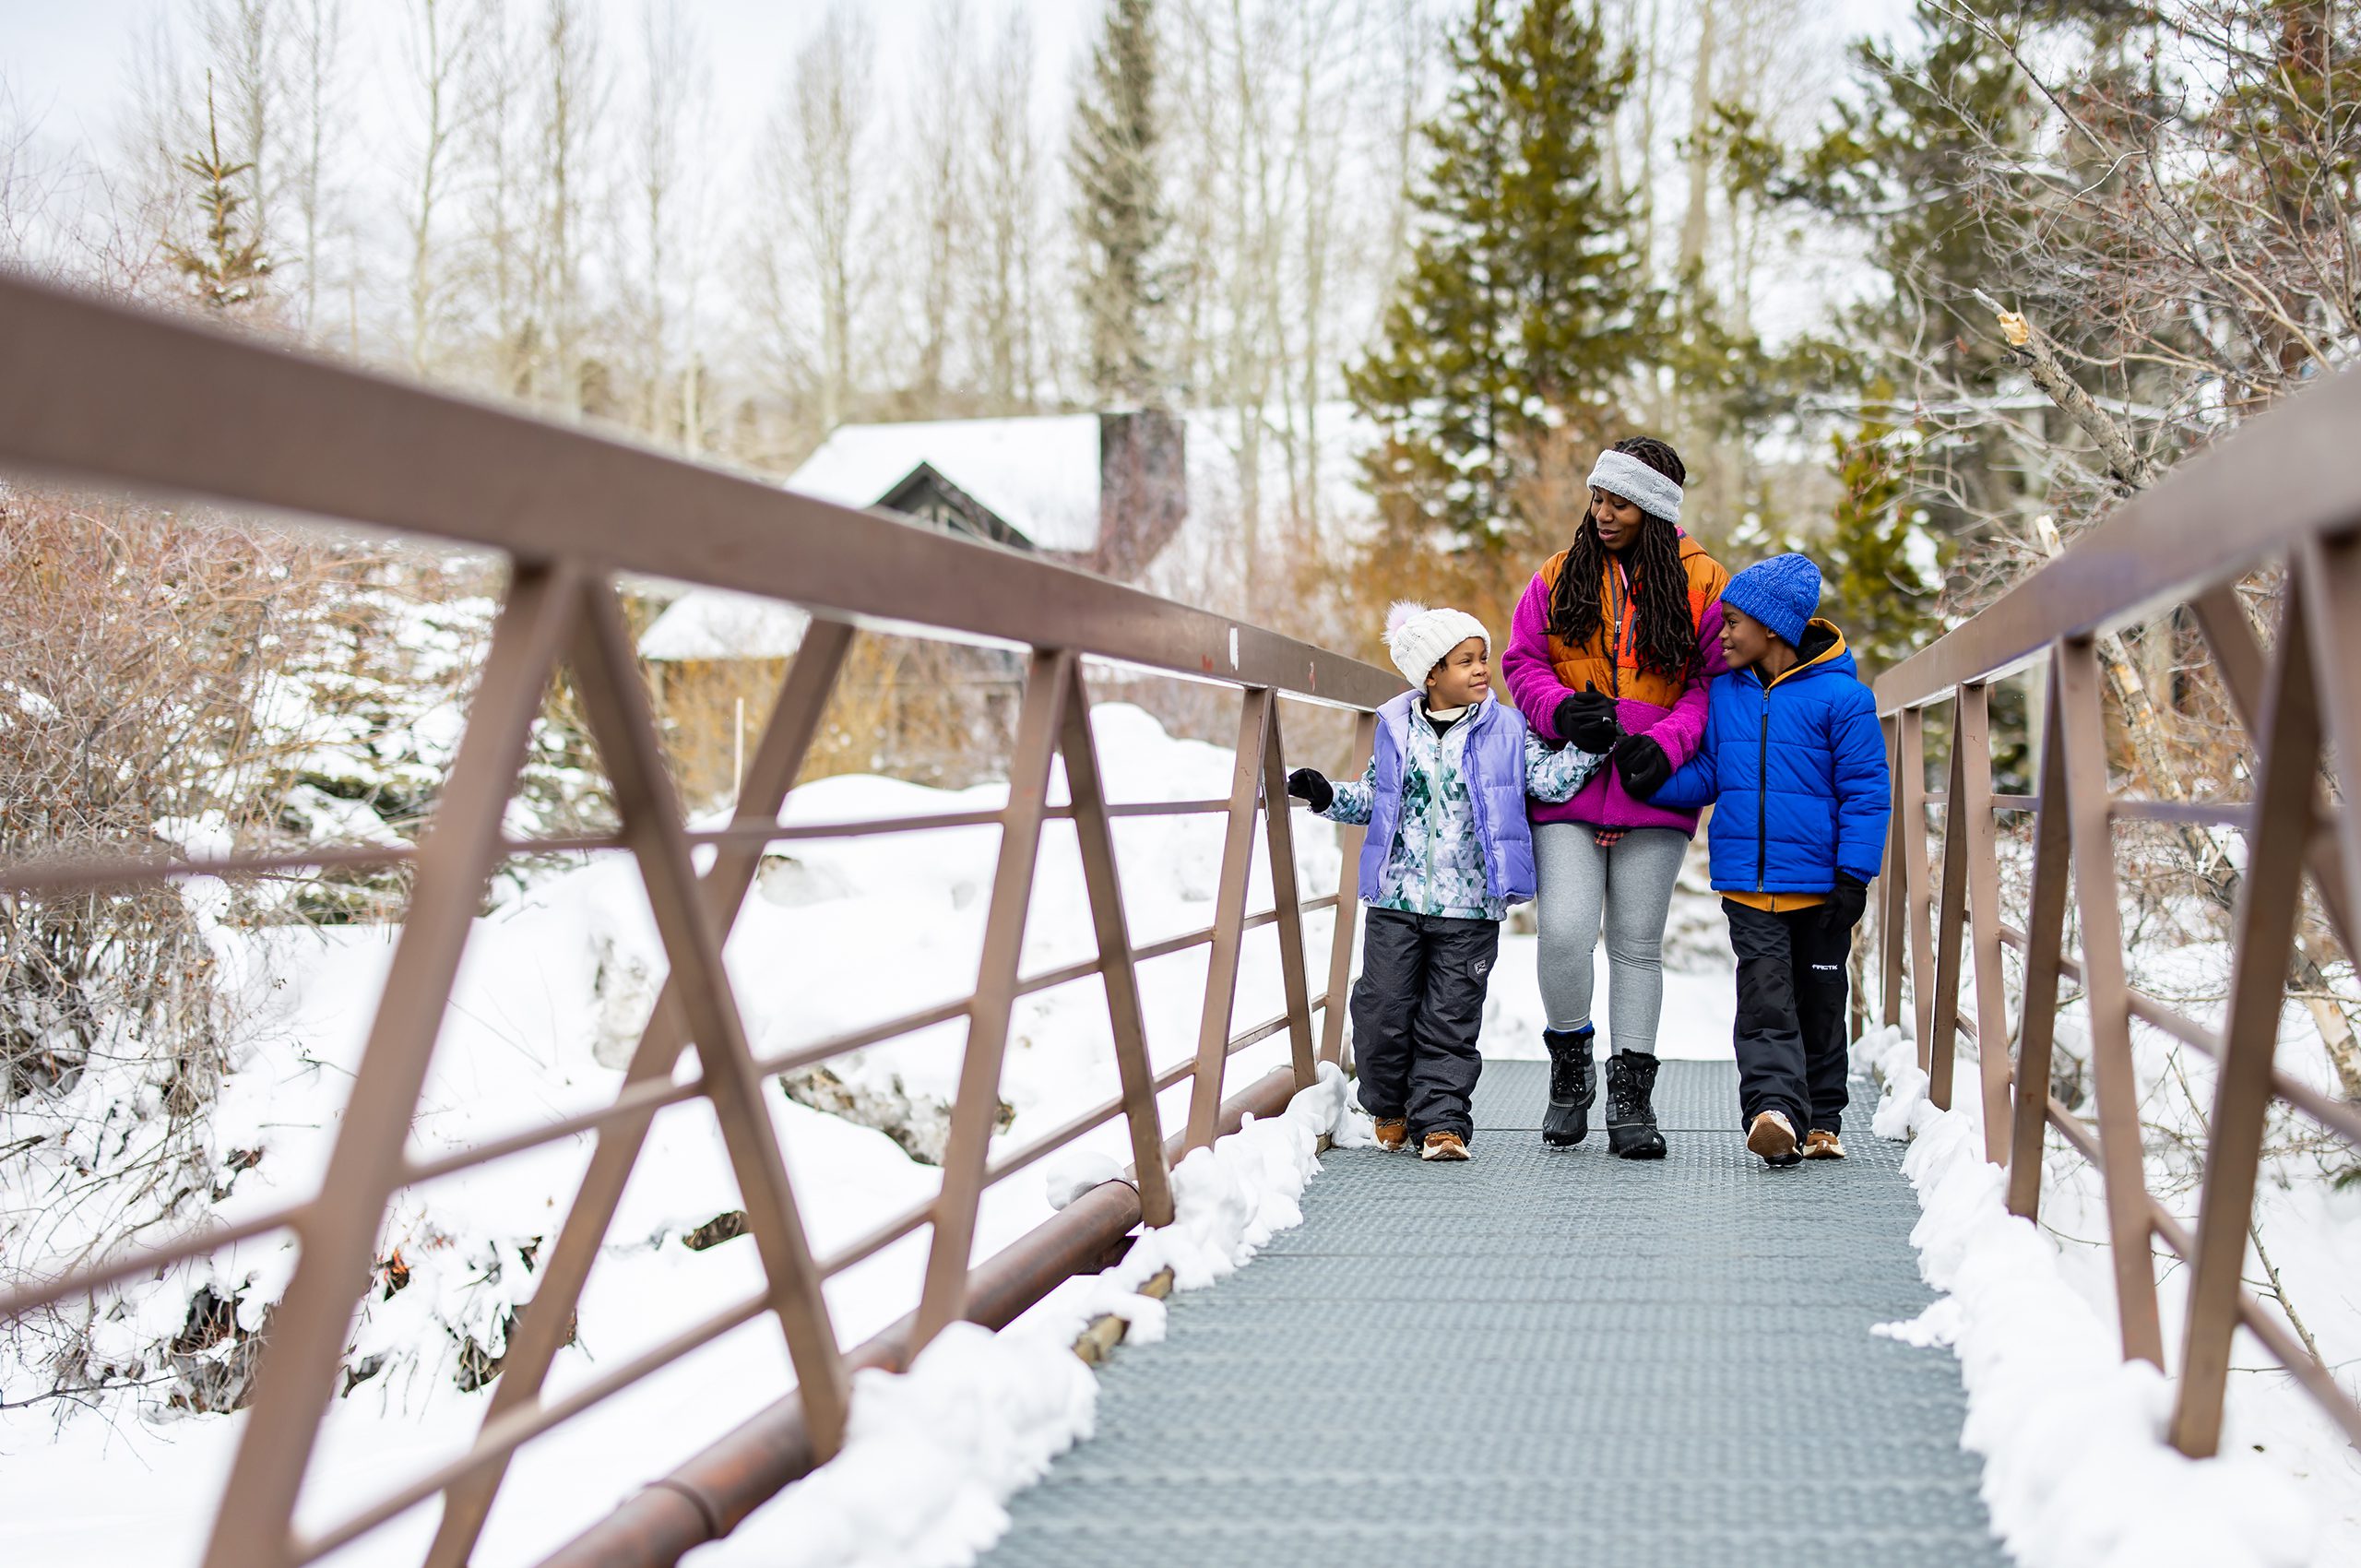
(136, 658)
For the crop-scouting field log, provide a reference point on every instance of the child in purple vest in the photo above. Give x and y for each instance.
(1448, 851)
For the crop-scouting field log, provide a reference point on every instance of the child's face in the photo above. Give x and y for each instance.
(1745, 640)
(1463, 677)
(1618, 520)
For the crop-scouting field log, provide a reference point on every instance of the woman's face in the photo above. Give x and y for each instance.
(1618, 520)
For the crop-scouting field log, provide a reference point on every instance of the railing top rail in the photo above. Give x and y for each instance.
(99, 392)
(2280, 480)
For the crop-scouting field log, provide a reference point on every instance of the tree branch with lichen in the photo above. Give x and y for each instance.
(2031, 349)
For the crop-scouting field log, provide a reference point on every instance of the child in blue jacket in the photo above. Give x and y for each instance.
(1449, 849)
(1792, 763)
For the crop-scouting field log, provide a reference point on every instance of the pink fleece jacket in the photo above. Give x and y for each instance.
(1533, 682)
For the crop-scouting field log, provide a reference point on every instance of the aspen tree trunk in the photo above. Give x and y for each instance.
(939, 111)
(1011, 203)
(1696, 224)
(572, 100)
(322, 42)
(242, 39)
(439, 44)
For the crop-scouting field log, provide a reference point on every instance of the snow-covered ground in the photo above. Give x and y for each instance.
(933, 1457)
(840, 933)
(556, 984)
(2078, 1471)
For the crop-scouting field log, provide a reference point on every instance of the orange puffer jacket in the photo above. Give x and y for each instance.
(1589, 664)
(1541, 669)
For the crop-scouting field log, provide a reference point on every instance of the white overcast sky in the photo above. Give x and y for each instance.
(67, 66)
(67, 60)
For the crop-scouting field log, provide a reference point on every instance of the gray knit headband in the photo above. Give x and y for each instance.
(1620, 473)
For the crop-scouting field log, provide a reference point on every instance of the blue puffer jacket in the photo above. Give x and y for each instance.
(1795, 772)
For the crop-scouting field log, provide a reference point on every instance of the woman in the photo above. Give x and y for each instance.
(1611, 649)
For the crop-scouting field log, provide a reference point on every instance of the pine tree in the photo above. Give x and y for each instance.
(1525, 307)
(1883, 567)
(1120, 218)
(225, 271)
(1910, 161)
(1926, 162)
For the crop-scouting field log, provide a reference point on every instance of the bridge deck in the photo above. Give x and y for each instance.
(1543, 1356)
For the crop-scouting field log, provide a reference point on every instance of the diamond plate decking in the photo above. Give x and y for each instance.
(1542, 1357)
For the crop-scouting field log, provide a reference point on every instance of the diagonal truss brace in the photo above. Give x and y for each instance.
(2268, 895)
(339, 1232)
(616, 704)
(785, 738)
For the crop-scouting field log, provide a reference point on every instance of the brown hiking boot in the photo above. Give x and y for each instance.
(1772, 1136)
(1393, 1132)
(1822, 1144)
(1444, 1146)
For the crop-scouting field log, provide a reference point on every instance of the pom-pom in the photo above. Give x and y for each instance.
(1402, 612)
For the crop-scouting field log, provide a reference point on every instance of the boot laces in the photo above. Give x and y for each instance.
(1566, 1061)
(1627, 1091)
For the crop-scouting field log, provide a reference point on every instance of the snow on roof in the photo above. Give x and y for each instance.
(714, 623)
(1040, 475)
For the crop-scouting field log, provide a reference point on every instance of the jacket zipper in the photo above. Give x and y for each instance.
(1763, 799)
(1619, 593)
(1434, 815)
(1434, 811)
(1474, 797)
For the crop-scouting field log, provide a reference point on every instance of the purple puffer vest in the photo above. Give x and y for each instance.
(1494, 764)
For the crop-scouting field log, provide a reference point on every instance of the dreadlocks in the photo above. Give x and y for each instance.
(1664, 638)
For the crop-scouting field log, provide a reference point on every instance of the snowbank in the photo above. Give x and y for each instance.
(2077, 1471)
(1235, 1196)
(558, 979)
(931, 1457)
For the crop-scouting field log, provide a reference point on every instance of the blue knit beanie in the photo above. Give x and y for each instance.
(1783, 593)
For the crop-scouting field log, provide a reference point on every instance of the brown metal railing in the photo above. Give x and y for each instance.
(2286, 490)
(90, 392)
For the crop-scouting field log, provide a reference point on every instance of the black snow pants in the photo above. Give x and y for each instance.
(1790, 1033)
(1416, 1010)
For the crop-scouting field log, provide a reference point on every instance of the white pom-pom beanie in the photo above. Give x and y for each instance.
(1418, 637)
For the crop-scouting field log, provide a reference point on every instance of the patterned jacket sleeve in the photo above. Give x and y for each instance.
(1352, 801)
(1554, 774)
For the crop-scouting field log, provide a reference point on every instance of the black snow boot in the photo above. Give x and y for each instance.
(1573, 1086)
(1631, 1119)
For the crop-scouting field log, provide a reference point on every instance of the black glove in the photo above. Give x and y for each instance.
(1846, 903)
(1642, 764)
(1309, 785)
(1587, 720)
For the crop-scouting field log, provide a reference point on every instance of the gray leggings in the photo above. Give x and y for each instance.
(1631, 886)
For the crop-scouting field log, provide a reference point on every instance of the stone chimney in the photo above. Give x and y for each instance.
(1142, 489)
